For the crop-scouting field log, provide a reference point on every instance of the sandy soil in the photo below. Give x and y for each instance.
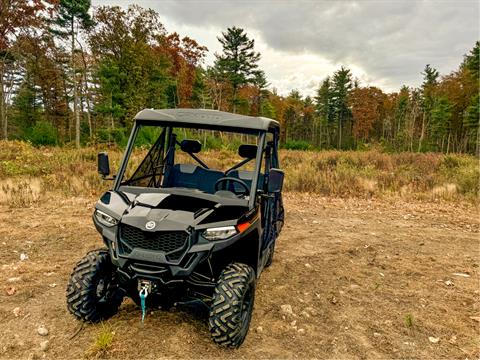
(364, 278)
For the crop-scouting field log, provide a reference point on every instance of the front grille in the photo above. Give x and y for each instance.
(173, 243)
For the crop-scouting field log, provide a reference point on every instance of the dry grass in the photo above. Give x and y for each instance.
(102, 343)
(27, 174)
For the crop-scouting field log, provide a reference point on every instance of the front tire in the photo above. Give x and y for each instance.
(93, 293)
(232, 307)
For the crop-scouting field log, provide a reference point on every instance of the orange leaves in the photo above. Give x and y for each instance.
(185, 55)
(367, 105)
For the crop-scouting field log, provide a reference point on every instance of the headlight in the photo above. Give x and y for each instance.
(220, 233)
(105, 219)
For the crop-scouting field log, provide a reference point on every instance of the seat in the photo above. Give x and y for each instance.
(193, 177)
(247, 177)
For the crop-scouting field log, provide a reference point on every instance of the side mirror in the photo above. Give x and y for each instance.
(275, 180)
(103, 164)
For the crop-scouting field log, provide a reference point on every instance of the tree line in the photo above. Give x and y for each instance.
(72, 74)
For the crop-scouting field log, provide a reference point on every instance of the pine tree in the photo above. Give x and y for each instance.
(239, 61)
(440, 122)
(430, 76)
(341, 86)
(71, 18)
(260, 83)
(471, 61)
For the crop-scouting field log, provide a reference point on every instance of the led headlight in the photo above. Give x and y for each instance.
(105, 219)
(220, 233)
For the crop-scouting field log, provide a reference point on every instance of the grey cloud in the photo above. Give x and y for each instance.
(390, 40)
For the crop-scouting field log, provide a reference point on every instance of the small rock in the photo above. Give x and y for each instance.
(287, 309)
(301, 331)
(17, 311)
(375, 334)
(52, 285)
(453, 339)
(23, 257)
(10, 290)
(13, 279)
(311, 311)
(333, 300)
(449, 283)
(44, 345)
(433, 340)
(308, 266)
(305, 314)
(42, 330)
(476, 318)
(259, 329)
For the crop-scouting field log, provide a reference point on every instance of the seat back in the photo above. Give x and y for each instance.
(247, 177)
(193, 177)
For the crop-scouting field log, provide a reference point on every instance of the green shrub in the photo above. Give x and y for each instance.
(118, 136)
(297, 145)
(42, 133)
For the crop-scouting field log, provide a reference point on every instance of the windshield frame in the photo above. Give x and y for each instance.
(260, 134)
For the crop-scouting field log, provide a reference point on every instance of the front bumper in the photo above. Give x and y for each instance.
(157, 265)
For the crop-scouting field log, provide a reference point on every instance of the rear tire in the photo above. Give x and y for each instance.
(232, 307)
(270, 255)
(93, 293)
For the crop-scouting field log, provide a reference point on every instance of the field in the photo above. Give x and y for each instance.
(385, 268)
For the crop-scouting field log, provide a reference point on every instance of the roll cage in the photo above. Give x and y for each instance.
(159, 162)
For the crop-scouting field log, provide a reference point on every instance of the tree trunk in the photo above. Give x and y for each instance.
(112, 120)
(234, 99)
(87, 100)
(76, 114)
(339, 134)
(3, 110)
(422, 134)
(477, 142)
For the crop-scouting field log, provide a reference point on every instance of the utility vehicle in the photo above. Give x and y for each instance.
(176, 230)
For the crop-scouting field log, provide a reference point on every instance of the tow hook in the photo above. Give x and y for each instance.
(144, 288)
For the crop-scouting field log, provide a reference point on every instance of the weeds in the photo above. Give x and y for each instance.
(408, 320)
(103, 341)
(371, 173)
(24, 193)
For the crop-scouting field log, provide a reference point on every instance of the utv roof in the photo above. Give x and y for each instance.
(207, 118)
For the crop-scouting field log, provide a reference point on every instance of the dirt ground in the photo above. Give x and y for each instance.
(364, 278)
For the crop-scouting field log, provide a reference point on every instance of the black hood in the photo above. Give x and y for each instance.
(167, 211)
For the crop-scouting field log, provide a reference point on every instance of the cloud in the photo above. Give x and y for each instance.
(385, 43)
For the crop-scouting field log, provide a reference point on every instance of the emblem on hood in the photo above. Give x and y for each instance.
(150, 225)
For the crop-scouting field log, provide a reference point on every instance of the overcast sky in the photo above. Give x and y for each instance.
(384, 43)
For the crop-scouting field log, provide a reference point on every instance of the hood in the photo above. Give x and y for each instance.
(168, 212)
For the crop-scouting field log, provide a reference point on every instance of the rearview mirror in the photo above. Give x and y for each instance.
(191, 146)
(103, 164)
(275, 180)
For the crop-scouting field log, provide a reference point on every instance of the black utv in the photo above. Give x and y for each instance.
(176, 230)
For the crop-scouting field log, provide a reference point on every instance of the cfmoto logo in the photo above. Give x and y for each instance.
(150, 225)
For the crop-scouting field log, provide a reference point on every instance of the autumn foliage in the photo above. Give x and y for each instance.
(81, 74)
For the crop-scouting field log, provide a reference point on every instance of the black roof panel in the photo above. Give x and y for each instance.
(211, 118)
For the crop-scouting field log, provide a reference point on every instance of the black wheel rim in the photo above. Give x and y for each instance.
(100, 289)
(104, 288)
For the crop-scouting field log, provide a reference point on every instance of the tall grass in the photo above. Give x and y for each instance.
(32, 172)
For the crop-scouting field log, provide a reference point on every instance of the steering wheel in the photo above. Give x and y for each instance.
(227, 179)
